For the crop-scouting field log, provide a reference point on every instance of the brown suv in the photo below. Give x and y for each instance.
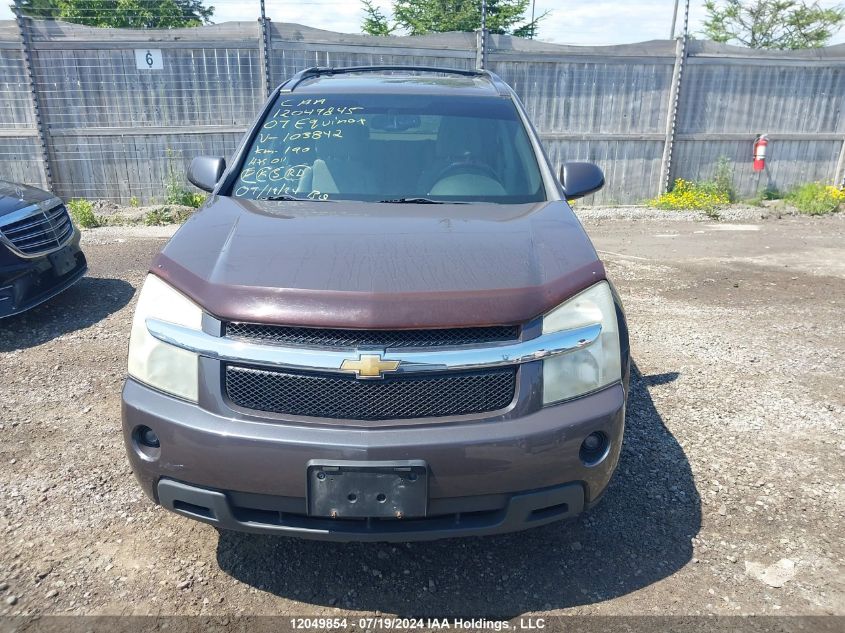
(385, 324)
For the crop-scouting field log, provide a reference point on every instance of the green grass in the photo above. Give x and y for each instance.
(693, 196)
(723, 181)
(82, 212)
(174, 189)
(816, 199)
(165, 215)
(182, 197)
(765, 194)
(703, 195)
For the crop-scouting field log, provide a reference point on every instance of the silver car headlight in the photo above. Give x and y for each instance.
(592, 367)
(153, 362)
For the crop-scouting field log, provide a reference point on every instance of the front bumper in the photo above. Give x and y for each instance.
(485, 476)
(26, 283)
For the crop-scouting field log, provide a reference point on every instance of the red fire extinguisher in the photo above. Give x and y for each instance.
(760, 145)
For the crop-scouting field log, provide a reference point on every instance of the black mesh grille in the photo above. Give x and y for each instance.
(40, 232)
(392, 398)
(318, 337)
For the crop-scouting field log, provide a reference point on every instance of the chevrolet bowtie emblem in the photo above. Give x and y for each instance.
(369, 366)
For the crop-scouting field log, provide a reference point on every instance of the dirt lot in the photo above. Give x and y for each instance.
(728, 499)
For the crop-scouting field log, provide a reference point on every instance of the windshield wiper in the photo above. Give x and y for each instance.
(284, 198)
(419, 201)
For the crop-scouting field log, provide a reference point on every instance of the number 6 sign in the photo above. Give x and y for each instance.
(148, 59)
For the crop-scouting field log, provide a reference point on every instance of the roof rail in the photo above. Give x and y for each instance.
(316, 71)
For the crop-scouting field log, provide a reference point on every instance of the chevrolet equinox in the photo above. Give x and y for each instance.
(386, 323)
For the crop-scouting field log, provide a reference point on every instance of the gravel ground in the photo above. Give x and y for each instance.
(728, 498)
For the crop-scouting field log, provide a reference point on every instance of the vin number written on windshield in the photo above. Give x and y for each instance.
(286, 146)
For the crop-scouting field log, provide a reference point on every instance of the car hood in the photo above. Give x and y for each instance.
(14, 196)
(361, 265)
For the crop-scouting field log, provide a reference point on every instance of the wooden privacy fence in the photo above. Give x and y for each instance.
(118, 113)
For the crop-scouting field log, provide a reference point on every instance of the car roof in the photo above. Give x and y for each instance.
(396, 80)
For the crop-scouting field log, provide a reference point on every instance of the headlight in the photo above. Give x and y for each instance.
(592, 367)
(153, 362)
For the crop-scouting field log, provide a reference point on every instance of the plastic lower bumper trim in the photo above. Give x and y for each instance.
(522, 511)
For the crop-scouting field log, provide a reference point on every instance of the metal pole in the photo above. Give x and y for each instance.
(41, 127)
(533, 2)
(264, 50)
(674, 20)
(481, 44)
(674, 102)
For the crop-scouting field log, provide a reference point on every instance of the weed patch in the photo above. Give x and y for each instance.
(693, 196)
(165, 215)
(82, 212)
(817, 199)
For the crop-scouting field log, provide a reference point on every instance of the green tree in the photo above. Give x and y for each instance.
(137, 14)
(418, 17)
(779, 24)
(375, 22)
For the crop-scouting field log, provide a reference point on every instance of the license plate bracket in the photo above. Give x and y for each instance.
(63, 261)
(344, 489)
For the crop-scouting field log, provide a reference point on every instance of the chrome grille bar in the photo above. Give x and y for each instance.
(42, 220)
(52, 230)
(410, 360)
(33, 232)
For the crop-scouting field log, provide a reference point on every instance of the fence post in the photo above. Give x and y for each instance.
(480, 49)
(674, 102)
(839, 174)
(264, 51)
(481, 40)
(23, 28)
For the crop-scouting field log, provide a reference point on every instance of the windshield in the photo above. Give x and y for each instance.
(387, 147)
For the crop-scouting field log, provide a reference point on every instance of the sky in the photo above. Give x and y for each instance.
(585, 22)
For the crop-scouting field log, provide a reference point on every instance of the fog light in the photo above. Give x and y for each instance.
(147, 437)
(594, 448)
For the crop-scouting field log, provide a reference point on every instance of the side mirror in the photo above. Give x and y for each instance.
(205, 171)
(580, 179)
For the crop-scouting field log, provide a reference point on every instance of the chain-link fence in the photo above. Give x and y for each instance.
(118, 113)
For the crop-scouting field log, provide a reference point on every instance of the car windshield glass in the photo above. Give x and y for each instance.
(391, 148)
